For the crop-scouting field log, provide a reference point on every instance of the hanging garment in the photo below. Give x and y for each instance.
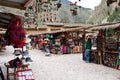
(64, 49)
(15, 34)
(68, 50)
(76, 49)
(15, 62)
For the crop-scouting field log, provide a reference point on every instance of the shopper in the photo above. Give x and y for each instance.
(88, 46)
(47, 47)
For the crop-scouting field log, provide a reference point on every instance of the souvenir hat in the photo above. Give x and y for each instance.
(25, 53)
(28, 40)
(28, 59)
(17, 52)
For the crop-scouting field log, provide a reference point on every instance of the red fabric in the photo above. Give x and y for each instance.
(17, 33)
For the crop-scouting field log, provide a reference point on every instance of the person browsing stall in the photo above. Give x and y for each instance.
(88, 46)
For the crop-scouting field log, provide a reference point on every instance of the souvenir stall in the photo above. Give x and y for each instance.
(95, 50)
(75, 41)
(97, 54)
(35, 41)
(77, 38)
(69, 41)
(55, 42)
(45, 39)
(44, 43)
(59, 42)
(108, 46)
(111, 52)
(16, 36)
(64, 43)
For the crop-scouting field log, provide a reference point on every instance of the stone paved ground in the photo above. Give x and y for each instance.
(62, 67)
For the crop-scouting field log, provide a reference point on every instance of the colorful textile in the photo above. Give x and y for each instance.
(15, 34)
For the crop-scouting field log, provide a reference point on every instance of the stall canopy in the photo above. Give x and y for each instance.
(5, 17)
(19, 4)
(105, 26)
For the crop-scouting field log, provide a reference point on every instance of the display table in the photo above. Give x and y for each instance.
(24, 75)
(9, 68)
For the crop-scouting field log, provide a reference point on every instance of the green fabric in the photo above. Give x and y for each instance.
(48, 35)
(68, 49)
(117, 62)
(53, 41)
(88, 45)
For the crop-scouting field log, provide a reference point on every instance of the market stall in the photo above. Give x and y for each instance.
(108, 42)
(60, 34)
(111, 53)
(14, 35)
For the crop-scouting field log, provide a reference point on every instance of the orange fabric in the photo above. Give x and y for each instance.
(41, 42)
(76, 49)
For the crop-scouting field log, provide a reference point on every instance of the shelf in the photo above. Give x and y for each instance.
(116, 52)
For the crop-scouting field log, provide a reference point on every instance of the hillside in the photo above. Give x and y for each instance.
(103, 14)
(66, 16)
(64, 13)
(100, 14)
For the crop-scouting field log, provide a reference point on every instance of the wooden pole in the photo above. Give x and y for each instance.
(83, 37)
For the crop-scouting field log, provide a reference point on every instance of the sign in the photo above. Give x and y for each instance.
(24, 75)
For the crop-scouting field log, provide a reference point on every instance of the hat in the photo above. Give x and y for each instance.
(25, 53)
(28, 40)
(28, 59)
(17, 52)
(46, 39)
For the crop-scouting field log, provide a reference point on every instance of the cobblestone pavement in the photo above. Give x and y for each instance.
(63, 67)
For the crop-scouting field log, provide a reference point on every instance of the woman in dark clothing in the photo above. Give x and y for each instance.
(88, 46)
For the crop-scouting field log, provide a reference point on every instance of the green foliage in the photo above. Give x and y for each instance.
(110, 32)
(114, 16)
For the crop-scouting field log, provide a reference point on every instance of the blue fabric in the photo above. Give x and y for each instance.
(87, 55)
(47, 51)
(41, 47)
